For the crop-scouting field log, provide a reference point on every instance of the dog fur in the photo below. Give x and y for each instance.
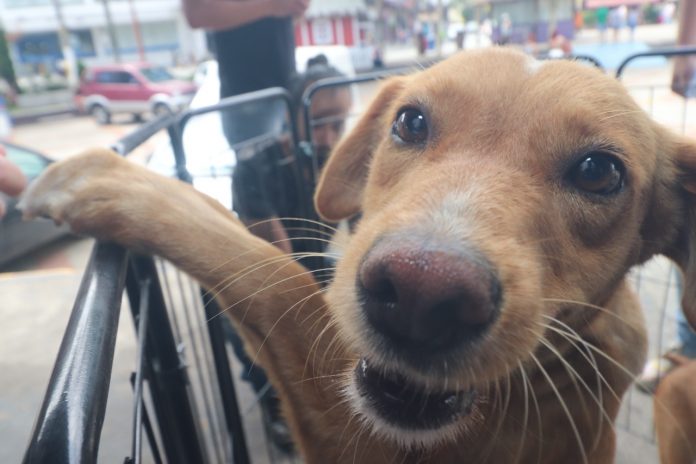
(504, 131)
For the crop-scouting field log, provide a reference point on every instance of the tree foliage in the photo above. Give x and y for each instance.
(7, 71)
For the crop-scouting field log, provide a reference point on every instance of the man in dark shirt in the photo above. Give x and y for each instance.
(254, 44)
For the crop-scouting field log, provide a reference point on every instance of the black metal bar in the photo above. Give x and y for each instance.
(240, 455)
(137, 448)
(272, 93)
(154, 449)
(198, 355)
(70, 421)
(142, 133)
(168, 380)
(589, 58)
(211, 381)
(663, 52)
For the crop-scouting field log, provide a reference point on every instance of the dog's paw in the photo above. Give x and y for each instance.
(77, 191)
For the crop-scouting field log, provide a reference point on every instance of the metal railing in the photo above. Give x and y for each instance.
(69, 424)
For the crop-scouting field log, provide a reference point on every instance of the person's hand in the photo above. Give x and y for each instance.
(293, 8)
(12, 180)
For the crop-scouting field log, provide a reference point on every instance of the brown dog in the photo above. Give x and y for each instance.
(480, 312)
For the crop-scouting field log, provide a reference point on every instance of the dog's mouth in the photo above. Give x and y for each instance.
(401, 403)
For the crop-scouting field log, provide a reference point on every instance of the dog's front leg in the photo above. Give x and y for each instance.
(273, 300)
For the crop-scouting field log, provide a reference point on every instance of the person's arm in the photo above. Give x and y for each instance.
(250, 197)
(228, 14)
(12, 180)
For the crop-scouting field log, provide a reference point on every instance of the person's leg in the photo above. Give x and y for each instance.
(266, 395)
(686, 336)
(659, 367)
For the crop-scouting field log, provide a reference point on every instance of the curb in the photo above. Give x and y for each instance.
(32, 118)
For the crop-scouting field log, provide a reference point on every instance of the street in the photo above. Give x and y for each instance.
(62, 136)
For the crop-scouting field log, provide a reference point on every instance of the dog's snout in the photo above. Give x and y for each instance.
(430, 298)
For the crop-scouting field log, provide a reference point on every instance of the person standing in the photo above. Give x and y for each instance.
(602, 15)
(254, 43)
(632, 21)
(505, 29)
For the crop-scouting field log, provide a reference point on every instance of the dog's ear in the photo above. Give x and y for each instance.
(684, 251)
(339, 193)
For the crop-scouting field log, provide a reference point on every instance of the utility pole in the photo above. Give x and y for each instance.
(68, 52)
(441, 25)
(112, 31)
(136, 31)
(684, 75)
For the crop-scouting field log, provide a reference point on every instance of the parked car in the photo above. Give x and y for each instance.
(131, 88)
(18, 237)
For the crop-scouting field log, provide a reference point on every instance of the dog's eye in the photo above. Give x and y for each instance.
(598, 173)
(410, 126)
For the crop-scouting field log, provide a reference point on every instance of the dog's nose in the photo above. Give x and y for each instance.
(427, 299)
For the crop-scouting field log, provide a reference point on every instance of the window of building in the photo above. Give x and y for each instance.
(30, 3)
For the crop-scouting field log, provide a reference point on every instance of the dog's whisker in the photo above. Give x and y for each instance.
(319, 377)
(563, 404)
(335, 344)
(296, 219)
(266, 288)
(286, 312)
(341, 402)
(225, 284)
(540, 424)
(633, 378)
(242, 273)
(259, 249)
(609, 358)
(525, 412)
(320, 282)
(357, 444)
(315, 344)
(575, 375)
(573, 336)
(630, 324)
(502, 401)
(353, 415)
(589, 357)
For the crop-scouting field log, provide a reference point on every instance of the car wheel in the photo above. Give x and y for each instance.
(161, 109)
(101, 114)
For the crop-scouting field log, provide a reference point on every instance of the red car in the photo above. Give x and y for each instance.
(131, 88)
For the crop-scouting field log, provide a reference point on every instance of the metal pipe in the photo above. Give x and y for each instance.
(168, 379)
(70, 421)
(663, 52)
(137, 445)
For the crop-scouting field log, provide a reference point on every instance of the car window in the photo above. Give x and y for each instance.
(115, 77)
(30, 163)
(105, 77)
(156, 74)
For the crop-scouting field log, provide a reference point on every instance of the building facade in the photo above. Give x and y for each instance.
(152, 30)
